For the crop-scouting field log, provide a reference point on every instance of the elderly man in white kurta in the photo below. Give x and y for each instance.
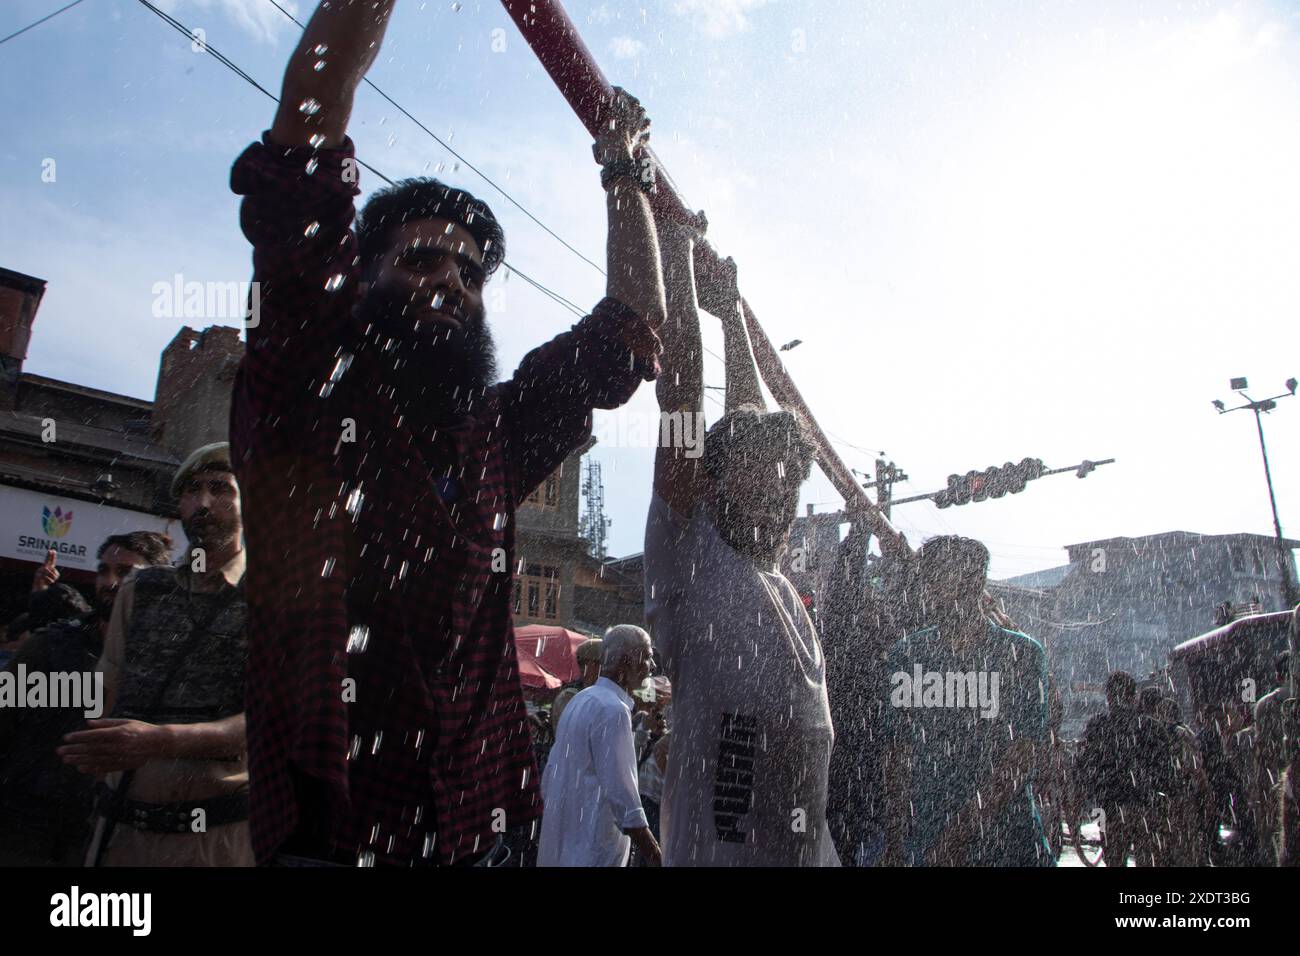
(593, 811)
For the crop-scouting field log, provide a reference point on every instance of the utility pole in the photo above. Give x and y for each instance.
(1239, 385)
(886, 474)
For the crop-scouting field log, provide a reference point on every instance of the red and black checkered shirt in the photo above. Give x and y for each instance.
(382, 658)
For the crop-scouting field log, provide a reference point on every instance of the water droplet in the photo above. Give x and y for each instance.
(340, 365)
(354, 747)
(353, 503)
(498, 521)
(358, 638)
(379, 739)
(321, 49)
(312, 229)
(455, 8)
(311, 165)
(328, 568)
(316, 140)
(438, 298)
(309, 107)
(366, 858)
(335, 282)
(318, 65)
(450, 227)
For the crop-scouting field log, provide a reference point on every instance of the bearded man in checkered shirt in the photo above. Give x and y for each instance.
(382, 468)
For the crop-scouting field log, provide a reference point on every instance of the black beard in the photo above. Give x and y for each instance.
(210, 536)
(439, 371)
(738, 532)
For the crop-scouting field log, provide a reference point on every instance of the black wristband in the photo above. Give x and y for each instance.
(622, 167)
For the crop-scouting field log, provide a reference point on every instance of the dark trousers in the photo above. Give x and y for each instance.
(1129, 826)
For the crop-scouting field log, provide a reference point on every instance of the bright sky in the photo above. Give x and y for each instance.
(1001, 230)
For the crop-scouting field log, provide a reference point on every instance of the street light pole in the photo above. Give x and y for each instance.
(1284, 562)
(1289, 598)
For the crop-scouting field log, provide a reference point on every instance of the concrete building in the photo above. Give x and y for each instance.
(1125, 603)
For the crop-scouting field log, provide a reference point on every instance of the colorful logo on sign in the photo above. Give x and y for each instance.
(56, 523)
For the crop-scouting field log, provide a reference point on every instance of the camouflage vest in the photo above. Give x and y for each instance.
(208, 683)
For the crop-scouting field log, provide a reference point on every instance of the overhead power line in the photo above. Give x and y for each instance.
(37, 23)
(229, 64)
(447, 146)
(225, 61)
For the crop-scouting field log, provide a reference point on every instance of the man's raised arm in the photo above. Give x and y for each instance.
(632, 254)
(337, 48)
(680, 388)
(742, 372)
(614, 349)
(720, 296)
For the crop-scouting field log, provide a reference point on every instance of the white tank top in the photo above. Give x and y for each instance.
(751, 735)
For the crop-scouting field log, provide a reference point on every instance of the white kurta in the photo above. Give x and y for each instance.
(589, 789)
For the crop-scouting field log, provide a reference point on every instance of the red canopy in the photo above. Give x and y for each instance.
(547, 656)
(532, 676)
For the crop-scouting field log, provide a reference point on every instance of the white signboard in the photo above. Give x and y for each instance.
(31, 524)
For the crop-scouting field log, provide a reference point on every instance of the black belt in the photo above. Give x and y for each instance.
(176, 817)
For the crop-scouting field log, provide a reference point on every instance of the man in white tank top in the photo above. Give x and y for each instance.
(751, 736)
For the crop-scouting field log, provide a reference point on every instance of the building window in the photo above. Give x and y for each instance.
(1238, 559)
(537, 592)
(1257, 561)
(551, 606)
(547, 494)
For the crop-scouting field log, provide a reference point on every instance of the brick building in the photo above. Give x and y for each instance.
(557, 580)
(79, 463)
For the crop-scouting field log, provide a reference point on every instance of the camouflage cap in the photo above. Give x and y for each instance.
(590, 651)
(217, 453)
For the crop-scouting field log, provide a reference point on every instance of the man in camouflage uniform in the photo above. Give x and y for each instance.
(173, 748)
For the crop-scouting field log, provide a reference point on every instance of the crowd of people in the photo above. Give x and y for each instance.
(328, 678)
(1176, 797)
